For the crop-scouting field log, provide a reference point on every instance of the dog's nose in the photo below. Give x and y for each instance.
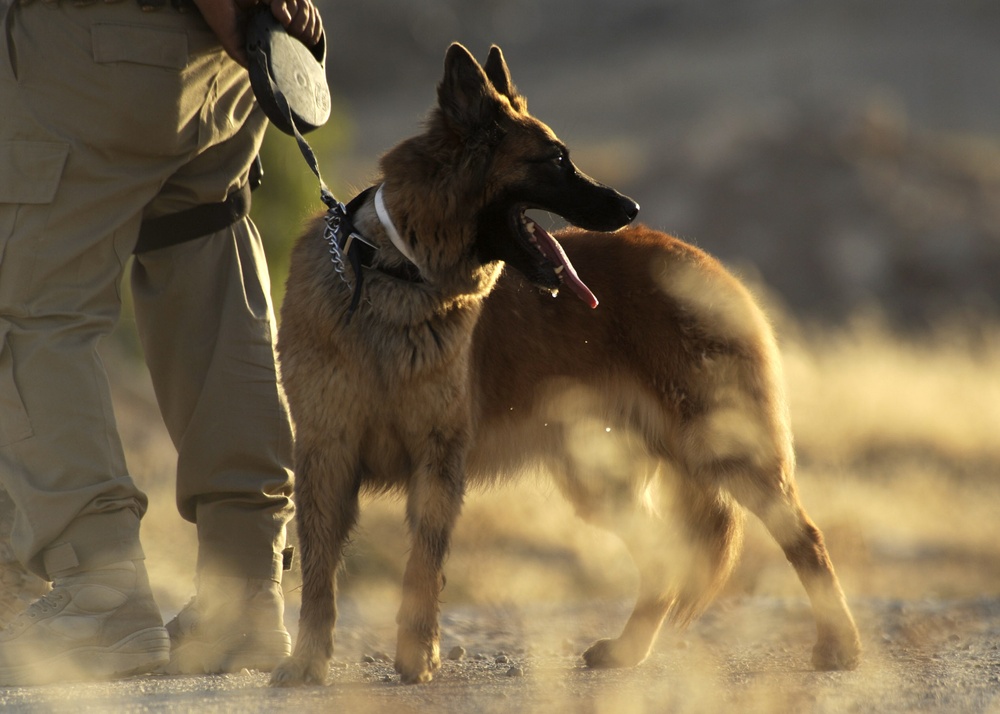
(630, 208)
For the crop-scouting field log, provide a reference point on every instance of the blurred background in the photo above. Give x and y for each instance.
(846, 151)
(841, 157)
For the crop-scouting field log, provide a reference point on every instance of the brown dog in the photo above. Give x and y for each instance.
(659, 415)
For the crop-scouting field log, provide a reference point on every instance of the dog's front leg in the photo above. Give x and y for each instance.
(434, 502)
(326, 492)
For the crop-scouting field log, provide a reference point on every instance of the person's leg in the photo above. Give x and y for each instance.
(77, 522)
(205, 319)
(97, 114)
(206, 324)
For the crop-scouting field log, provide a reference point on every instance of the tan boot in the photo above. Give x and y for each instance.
(231, 624)
(18, 587)
(94, 625)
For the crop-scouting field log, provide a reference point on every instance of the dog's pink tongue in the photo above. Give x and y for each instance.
(553, 251)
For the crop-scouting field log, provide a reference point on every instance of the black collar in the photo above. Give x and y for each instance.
(361, 253)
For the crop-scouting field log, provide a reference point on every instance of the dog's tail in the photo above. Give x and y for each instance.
(713, 525)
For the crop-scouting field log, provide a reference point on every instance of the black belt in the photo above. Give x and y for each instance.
(289, 81)
(179, 5)
(199, 221)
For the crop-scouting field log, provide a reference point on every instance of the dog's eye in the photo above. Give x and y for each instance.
(559, 159)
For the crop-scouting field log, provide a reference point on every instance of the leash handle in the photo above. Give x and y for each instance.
(308, 154)
(337, 221)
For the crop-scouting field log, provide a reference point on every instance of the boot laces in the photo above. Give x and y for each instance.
(48, 603)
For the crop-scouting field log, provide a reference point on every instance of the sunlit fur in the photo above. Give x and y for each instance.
(659, 415)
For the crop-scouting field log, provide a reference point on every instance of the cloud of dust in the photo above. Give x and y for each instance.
(897, 441)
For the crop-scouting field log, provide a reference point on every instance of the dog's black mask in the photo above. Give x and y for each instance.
(554, 185)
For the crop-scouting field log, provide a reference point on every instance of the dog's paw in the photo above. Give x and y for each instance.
(296, 672)
(837, 653)
(416, 660)
(608, 654)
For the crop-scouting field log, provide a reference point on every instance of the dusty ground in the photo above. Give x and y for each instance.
(746, 655)
(913, 531)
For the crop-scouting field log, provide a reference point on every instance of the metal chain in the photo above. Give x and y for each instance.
(336, 211)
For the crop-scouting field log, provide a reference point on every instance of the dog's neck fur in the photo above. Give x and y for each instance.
(463, 281)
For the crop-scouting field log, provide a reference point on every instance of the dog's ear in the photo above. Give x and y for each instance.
(499, 76)
(466, 96)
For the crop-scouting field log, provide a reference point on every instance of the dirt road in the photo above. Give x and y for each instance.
(748, 655)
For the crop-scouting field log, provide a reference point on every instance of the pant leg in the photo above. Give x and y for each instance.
(60, 457)
(205, 319)
(101, 105)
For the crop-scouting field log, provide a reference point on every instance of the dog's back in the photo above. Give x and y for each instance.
(676, 344)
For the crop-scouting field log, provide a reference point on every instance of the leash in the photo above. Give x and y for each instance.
(339, 232)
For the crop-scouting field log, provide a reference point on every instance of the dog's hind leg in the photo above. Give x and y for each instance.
(434, 501)
(776, 503)
(655, 599)
(683, 558)
(326, 512)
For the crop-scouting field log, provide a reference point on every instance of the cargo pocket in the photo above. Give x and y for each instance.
(30, 172)
(14, 422)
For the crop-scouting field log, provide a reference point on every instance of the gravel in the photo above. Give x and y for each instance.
(746, 654)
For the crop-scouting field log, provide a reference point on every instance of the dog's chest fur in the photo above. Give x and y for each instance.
(399, 369)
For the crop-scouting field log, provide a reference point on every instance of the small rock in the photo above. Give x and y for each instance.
(244, 672)
(515, 671)
(479, 656)
(368, 659)
(456, 653)
(502, 659)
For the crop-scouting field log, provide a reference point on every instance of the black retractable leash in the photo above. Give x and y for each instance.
(289, 81)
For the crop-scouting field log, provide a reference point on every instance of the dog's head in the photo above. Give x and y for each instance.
(484, 161)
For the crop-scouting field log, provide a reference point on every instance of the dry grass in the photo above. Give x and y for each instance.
(858, 390)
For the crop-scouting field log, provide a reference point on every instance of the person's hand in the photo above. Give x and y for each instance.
(228, 20)
(301, 19)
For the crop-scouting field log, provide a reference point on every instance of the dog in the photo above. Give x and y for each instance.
(476, 352)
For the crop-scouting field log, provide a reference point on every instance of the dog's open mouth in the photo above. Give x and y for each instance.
(552, 253)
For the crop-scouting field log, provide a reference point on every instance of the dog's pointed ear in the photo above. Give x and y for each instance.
(499, 76)
(465, 96)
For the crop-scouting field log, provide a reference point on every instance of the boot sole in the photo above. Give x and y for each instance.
(139, 653)
(262, 651)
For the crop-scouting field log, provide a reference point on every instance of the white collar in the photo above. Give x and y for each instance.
(390, 228)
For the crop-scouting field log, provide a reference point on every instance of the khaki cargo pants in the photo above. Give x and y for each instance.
(109, 115)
